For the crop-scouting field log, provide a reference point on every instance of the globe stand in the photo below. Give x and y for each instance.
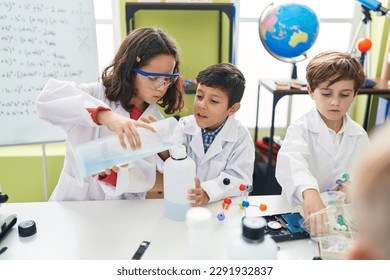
(294, 74)
(294, 71)
(366, 20)
(367, 67)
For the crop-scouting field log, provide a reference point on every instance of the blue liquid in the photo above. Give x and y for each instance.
(94, 166)
(176, 211)
(97, 155)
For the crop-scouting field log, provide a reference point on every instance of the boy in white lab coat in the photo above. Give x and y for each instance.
(220, 145)
(323, 144)
(371, 199)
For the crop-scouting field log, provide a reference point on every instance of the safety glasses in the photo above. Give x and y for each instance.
(157, 80)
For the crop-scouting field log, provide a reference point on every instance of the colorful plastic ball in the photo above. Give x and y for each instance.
(245, 204)
(346, 177)
(240, 205)
(364, 45)
(263, 207)
(243, 218)
(339, 182)
(242, 187)
(227, 200)
(249, 188)
(221, 217)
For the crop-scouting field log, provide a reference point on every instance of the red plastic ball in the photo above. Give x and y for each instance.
(364, 45)
(242, 187)
(263, 207)
(227, 200)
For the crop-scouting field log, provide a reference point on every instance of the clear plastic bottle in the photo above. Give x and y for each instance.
(253, 244)
(200, 233)
(179, 174)
(95, 156)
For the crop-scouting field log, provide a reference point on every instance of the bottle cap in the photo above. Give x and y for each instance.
(3, 198)
(178, 152)
(198, 217)
(253, 229)
(27, 228)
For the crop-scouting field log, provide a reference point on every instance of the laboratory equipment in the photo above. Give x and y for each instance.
(95, 156)
(179, 176)
(253, 243)
(200, 233)
(7, 221)
(244, 204)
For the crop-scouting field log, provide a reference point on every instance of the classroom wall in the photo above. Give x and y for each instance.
(21, 171)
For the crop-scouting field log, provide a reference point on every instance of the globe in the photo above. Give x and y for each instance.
(287, 31)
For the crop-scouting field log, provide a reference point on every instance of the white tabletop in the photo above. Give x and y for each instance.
(113, 230)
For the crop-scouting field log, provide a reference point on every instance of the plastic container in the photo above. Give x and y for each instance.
(96, 156)
(200, 233)
(253, 244)
(179, 174)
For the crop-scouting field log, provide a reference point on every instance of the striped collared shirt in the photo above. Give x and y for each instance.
(209, 136)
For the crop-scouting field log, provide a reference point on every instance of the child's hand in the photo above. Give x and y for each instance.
(108, 171)
(123, 126)
(316, 221)
(197, 195)
(345, 188)
(149, 119)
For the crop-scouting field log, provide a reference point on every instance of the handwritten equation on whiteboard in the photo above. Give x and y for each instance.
(40, 40)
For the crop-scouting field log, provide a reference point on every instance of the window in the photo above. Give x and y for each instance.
(107, 30)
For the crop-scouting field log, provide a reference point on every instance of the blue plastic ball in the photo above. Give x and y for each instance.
(221, 217)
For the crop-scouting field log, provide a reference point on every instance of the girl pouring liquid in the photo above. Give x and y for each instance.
(143, 75)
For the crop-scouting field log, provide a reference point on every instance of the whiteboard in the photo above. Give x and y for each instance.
(39, 40)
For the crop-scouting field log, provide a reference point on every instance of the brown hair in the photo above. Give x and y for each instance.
(119, 76)
(331, 67)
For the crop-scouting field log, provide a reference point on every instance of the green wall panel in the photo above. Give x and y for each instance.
(21, 171)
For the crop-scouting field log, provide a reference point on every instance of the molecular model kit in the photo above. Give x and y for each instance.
(338, 199)
(244, 204)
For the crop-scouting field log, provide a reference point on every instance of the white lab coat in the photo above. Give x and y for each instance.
(230, 156)
(308, 158)
(64, 104)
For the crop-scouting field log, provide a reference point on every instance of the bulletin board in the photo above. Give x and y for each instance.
(40, 40)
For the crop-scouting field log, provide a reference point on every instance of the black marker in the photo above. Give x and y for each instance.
(141, 250)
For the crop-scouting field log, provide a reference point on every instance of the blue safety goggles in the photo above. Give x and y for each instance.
(157, 81)
(149, 74)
